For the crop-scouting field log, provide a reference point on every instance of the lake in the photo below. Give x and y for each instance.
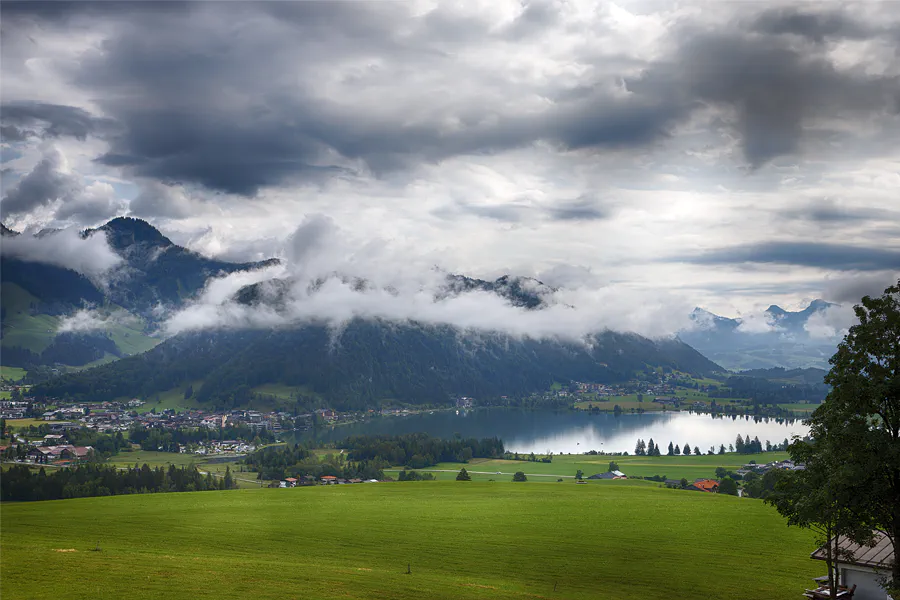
(542, 431)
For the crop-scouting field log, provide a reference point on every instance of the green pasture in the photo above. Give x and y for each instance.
(20, 327)
(24, 423)
(172, 398)
(459, 540)
(164, 459)
(12, 373)
(566, 465)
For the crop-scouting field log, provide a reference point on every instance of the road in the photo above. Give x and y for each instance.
(426, 469)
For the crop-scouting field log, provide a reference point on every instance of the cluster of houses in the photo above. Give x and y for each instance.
(787, 465)
(13, 409)
(308, 480)
(52, 449)
(218, 447)
(110, 417)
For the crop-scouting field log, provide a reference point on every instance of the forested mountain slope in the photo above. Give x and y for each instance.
(367, 362)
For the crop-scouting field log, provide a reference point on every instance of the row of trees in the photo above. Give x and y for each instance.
(740, 446)
(21, 484)
(420, 450)
(851, 484)
(763, 391)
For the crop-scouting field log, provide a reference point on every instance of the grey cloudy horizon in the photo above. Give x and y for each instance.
(729, 155)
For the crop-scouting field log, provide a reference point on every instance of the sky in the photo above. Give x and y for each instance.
(729, 155)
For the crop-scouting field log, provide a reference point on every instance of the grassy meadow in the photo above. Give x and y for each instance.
(461, 540)
(12, 373)
(206, 464)
(566, 465)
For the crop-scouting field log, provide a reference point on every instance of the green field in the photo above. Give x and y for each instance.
(12, 373)
(461, 540)
(24, 423)
(164, 459)
(20, 327)
(566, 465)
(36, 331)
(173, 398)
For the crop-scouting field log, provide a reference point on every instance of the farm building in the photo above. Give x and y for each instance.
(867, 567)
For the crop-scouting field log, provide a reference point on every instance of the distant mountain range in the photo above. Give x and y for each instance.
(366, 362)
(38, 297)
(780, 339)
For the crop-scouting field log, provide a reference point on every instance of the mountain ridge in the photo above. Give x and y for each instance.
(782, 341)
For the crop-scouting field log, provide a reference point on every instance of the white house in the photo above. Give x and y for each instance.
(867, 567)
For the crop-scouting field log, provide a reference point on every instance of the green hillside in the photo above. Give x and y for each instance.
(20, 327)
(461, 540)
(25, 327)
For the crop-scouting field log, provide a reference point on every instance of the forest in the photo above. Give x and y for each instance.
(280, 462)
(367, 362)
(419, 450)
(20, 483)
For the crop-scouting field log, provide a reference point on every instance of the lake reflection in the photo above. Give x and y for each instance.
(541, 431)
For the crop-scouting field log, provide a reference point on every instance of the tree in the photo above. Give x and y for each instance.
(463, 475)
(651, 448)
(678, 449)
(815, 498)
(728, 486)
(640, 449)
(519, 476)
(722, 449)
(686, 449)
(857, 428)
(684, 483)
(671, 451)
(720, 472)
(189, 391)
(579, 475)
(613, 466)
(697, 451)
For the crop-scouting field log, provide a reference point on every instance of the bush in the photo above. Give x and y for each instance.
(519, 476)
(463, 475)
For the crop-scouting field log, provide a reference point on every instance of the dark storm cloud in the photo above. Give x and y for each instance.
(506, 213)
(10, 133)
(830, 212)
(811, 24)
(220, 118)
(22, 119)
(240, 96)
(849, 290)
(836, 257)
(63, 11)
(45, 184)
(581, 209)
(773, 88)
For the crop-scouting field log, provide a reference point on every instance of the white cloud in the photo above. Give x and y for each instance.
(831, 323)
(91, 257)
(87, 320)
(401, 287)
(758, 322)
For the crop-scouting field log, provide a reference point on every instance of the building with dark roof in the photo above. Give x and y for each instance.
(867, 567)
